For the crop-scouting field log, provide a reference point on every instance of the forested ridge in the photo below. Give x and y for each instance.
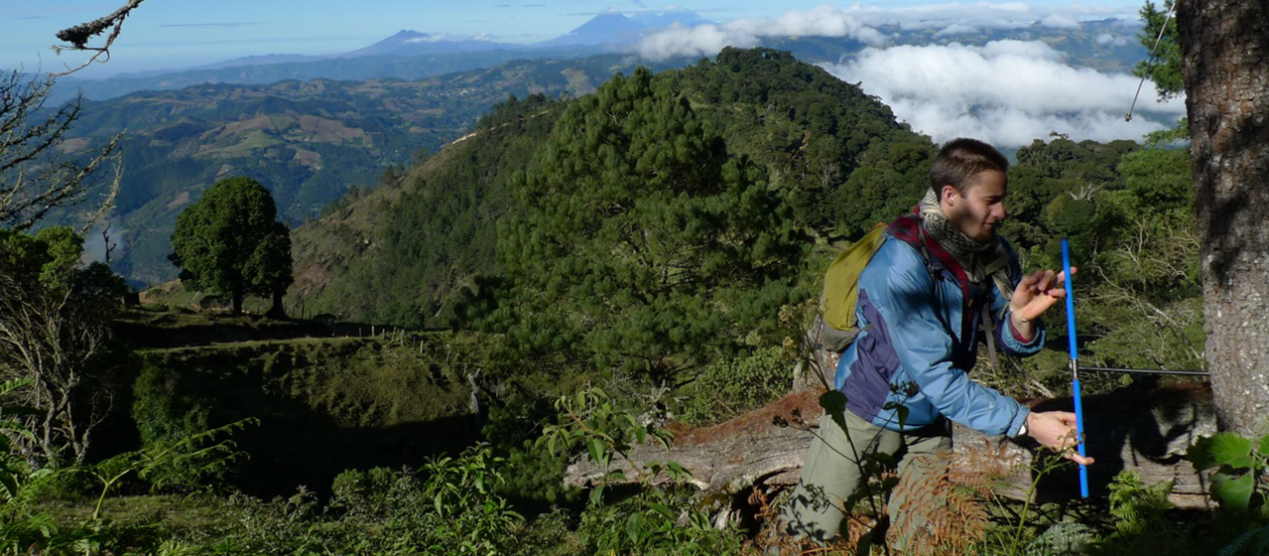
(805, 131)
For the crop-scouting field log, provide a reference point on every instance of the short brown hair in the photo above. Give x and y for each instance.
(962, 159)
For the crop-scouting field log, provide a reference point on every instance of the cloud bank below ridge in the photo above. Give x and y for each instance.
(1005, 92)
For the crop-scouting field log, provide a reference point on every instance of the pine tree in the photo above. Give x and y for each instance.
(638, 242)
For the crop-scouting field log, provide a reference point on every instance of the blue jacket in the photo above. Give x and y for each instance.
(921, 326)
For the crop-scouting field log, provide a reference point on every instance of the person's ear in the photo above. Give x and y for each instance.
(950, 195)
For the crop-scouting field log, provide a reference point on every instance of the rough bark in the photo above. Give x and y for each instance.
(1225, 66)
(1146, 431)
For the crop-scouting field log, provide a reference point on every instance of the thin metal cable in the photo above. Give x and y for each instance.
(1153, 51)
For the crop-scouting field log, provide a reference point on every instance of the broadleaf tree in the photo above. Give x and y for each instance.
(230, 243)
(638, 243)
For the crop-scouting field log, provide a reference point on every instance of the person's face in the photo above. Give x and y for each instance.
(981, 209)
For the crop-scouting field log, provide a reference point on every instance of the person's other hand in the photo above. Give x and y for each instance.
(1056, 430)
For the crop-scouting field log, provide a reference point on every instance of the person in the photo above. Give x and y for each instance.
(939, 273)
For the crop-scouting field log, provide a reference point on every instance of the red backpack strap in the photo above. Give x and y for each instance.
(908, 229)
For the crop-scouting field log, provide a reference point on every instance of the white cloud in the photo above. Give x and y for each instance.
(706, 40)
(1005, 92)
(436, 37)
(983, 15)
(862, 22)
(1060, 21)
(956, 29)
(1113, 40)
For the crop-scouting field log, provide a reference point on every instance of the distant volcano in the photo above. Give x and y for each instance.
(615, 28)
(407, 43)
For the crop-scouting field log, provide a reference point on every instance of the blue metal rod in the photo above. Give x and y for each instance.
(1075, 374)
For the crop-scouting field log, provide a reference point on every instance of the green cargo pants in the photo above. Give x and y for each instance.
(831, 472)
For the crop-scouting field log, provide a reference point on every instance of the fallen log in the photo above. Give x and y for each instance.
(1146, 431)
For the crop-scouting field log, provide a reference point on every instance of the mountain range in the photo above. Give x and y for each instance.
(311, 130)
(1108, 45)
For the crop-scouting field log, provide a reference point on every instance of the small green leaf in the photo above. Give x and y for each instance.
(678, 470)
(834, 404)
(1225, 448)
(902, 411)
(597, 496)
(1234, 492)
(596, 447)
(888, 483)
(1264, 447)
(882, 458)
(632, 527)
(662, 509)
(833, 401)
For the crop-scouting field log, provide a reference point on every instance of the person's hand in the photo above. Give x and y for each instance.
(1036, 292)
(1056, 430)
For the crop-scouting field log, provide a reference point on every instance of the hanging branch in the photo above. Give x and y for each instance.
(77, 37)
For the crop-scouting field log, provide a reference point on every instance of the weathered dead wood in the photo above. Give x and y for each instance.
(1146, 431)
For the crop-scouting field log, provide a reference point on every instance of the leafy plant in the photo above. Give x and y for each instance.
(14, 472)
(731, 386)
(654, 521)
(589, 420)
(1241, 465)
(470, 517)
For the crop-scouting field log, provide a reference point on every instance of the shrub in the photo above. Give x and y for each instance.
(729, 387)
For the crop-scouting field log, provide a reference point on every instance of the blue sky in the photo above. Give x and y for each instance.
(1005, 92)
(165, 34)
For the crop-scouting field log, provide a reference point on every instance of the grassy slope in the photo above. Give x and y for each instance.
(324, 404)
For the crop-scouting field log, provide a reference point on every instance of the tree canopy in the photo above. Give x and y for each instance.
(230, 242)
(638, 240)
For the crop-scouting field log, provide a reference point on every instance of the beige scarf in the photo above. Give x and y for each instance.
(979, 259)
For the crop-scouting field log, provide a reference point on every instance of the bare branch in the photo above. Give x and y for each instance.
(79, 35)
(38, 169)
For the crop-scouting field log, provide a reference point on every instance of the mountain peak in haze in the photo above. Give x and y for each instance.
(407, 42)
(661, 20)
(605, 28)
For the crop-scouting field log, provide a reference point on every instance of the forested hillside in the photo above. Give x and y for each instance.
(308, 142)
(821, 144)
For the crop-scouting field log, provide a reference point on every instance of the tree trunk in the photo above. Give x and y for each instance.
(277, 311)
(237, 302)
(1139, 429)
(1225, 65)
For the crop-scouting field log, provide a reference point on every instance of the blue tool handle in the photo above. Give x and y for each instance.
(1070, 305)
(1079, 429)
(1075, 377)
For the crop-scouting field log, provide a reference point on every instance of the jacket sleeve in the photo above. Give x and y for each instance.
(901, 290)
(1005, 337)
